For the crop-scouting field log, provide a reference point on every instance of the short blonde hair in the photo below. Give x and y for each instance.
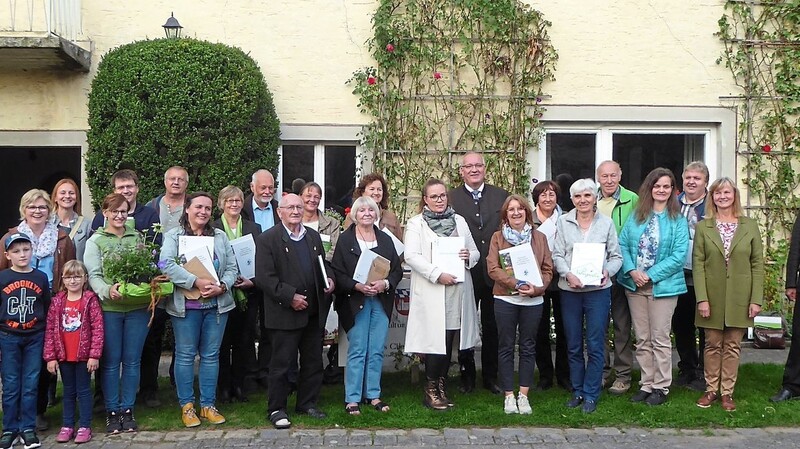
(30, 197)
(228, 192)
(583, 185)
(711, 208)
(361, 202)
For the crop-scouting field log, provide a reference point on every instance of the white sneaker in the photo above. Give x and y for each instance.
(523, 405)
(510, 406)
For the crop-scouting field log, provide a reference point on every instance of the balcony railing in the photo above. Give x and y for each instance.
(60, 18)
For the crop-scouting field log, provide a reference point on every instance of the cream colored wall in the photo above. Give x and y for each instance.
(613, 52)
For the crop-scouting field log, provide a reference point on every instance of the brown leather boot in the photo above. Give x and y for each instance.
(431, 398)
(441, 384)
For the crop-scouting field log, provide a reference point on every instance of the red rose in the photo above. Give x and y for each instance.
(390, 48)
(437, 75)
(371, 80)
(347, 211)
(766, 148)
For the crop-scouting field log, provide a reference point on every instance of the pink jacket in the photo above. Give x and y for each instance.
(91, 331)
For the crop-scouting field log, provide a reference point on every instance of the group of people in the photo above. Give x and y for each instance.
(667, 263)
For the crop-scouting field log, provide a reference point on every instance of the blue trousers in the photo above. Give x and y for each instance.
(21, 365)
(77, 389)
(366, 338)
(198, 333)
(124, 339)
(592, 307)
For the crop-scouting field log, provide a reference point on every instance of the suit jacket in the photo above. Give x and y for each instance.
(278, 271)
(483, 219)
(350, 301)
(729, 291)
(793, 258)
(247, 210)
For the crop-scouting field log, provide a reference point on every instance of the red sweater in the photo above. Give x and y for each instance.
(91, 331)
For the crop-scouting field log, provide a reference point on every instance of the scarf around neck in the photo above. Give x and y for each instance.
(45, 244)
(517, 237)
(442, 224)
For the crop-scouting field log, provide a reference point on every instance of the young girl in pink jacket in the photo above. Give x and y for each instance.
(73, 343)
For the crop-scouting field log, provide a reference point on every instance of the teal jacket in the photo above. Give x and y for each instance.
(96, 246)
(673, 245)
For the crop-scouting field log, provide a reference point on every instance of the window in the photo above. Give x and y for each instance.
(331, 166)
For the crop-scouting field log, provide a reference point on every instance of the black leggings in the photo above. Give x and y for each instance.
(437, 365)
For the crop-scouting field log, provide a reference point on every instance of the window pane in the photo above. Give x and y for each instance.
(638, 154)
(298, 162)
(572, 154)
(340, 176)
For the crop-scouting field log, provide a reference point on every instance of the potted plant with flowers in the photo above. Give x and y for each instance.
(136, 270)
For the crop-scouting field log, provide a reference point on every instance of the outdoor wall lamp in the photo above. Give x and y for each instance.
(172, 28)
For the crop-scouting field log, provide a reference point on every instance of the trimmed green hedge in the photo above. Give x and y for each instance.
(165, 102)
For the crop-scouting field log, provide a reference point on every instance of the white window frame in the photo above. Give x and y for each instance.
(716, 124)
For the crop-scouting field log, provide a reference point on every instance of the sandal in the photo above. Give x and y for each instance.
(352, 409)
(380, 405)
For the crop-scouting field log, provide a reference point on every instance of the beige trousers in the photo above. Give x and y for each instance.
(652, 323)
(721, 358)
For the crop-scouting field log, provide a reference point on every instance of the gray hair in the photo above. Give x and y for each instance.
(583, 185)
(698, 166)
(261, 171)
(361, 202)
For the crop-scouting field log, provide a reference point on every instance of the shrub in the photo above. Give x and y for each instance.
(165, 102)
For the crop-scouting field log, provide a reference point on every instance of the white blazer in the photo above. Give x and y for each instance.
(425, 329)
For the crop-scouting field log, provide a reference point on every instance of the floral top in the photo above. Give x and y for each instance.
(648, 244)
(726, 232)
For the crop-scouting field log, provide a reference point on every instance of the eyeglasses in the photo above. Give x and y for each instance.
(233, 201)
(291, 207)
(122, 213)
(37, 208)
(441, 197)
(73, 278)
(471, 166)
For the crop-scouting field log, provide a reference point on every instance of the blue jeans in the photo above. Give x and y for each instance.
(77, 388)
(509, 317)
(199, 332)
(593, 306)
(125, 333)
(362, 378)
(21, 364)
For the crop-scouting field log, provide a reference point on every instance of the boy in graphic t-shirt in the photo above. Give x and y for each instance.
(24, 300)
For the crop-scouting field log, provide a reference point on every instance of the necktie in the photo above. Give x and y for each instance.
(476, 195)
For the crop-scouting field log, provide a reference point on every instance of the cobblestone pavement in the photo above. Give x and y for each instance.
(514, 437)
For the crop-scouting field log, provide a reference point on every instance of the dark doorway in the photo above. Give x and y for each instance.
(28, 168)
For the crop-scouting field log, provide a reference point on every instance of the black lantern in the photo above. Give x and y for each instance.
(172, 28)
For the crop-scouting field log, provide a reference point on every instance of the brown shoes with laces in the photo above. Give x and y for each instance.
(708, 398)
(727, 403)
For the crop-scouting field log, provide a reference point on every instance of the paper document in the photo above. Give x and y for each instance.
(194, 266)
(244, 248)
(399, 247)
(205, 258)
(188, 243)
(587, 262)
(326, 242)
(321, 262)
(522, 263)
(548, 228)
(444, 254)
(371, 267)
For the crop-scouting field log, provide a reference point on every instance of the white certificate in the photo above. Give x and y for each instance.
(444, 254)
(523, 264)
(363, 265)
(548, 228)
(189, 243)
(321, 263)
(244, 248)
(398, 245)
(587, 262)
(206, 258)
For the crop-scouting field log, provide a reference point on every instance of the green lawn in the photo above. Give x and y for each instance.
(756, 383)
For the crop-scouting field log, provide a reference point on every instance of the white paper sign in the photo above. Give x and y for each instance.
(587, 262)
(523, 264)
(399, 247)
(202, 254)
(244, 248)
(444, 254)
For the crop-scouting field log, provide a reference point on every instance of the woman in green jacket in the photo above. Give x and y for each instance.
(728, 272)
(128, 320)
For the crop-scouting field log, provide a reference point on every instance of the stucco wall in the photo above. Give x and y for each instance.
(611, 53)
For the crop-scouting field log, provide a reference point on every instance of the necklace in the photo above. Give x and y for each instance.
(363, 237)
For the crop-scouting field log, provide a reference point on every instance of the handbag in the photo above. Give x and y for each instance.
(764, 338)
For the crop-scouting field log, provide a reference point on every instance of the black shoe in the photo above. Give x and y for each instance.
(237, 395)
(127, 422)
(113, 425)
(492, 387)
(150, 398)
(313, 412)
(41, 423)
(565, 384)
(29, 439)
(589, 406)
(784, 395)
(657, 397)
(683, 378)
(7, 439)
(640, 396)
(223, 396)
(575, 401)
(545, 384)
(697, 384)
(280, 420)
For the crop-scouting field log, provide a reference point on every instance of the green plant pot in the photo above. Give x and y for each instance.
(139, 293)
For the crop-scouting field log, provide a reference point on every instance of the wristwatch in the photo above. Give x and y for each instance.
(223, 286)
